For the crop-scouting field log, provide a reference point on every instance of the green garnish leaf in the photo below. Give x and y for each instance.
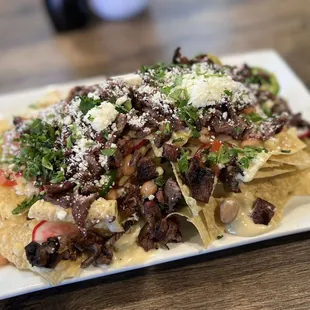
(38, 159)
(167, 128)
(88, 104)
(219, 237)
(228, 93)
(178, 81)
(124, 108)
(69, 142)
(238, 130)
(183, 162)
(109, 152)
(109, 184)
(58, 177)
(285, 151)
(212, 158)
(46, 162)
(166, 90)
(26, 204)
(254, 117)
(160, 181)
(106, 134)
(178, 140)
(266, 110)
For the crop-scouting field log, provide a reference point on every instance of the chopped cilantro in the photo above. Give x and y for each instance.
(183, 162)
(249, 153)
(109, 184)
(88, 104)
(219, 237)
(212, 158)
(254, 117)
(228, 92)
(238, 130)
(167, 128)
(266, 110)
(105, 134)
(108, 152)
(38, 159)
(46, 162)
(26, 204)
(58, 177)
(285, 151)
(69, 142)
(226, 154)
(124, 108)
(178, 81)
(160, 181)
(178, 140)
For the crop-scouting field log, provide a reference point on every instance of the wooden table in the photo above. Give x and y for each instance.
(273, 275)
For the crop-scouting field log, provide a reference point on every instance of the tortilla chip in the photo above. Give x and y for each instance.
(4, 125)
(207, 211)
(191, 202)
(271, 164)
(102, 210)
(271, 172)
(64, 270)
(276, 190)
(301, 159)
(198, 222)
(14, 238)
(303, 188)
(210, 212)
(286, 140)
(8, 202)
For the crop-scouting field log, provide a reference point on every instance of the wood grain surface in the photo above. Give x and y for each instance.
(270, 275)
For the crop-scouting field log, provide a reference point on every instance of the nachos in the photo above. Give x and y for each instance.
(110, 169)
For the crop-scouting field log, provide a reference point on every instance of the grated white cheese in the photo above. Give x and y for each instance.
(102, 116)
(206, 91)
(132, 79)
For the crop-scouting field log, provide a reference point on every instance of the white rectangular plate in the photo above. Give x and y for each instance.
(297, 214)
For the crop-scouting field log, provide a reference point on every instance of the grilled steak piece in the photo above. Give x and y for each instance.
(45, 255)
(131, 202)
(171, 152)
(200, 180)
(146, 170)
(263, 211)
(172, 194)
(228, 176)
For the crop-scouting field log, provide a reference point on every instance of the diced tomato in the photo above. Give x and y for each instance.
(304, 135)
(45, 230)
(249, 110)
(6, 179)
(213, 146)
(216, 145)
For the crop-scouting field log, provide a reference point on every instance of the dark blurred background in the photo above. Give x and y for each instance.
(33, 53)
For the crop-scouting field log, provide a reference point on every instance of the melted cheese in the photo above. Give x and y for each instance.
(128, 252)
(102, 211)
(243, 225)
(256, 164)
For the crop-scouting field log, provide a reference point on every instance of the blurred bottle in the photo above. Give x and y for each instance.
(68, 14)
(72, 14)
(117, 9)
